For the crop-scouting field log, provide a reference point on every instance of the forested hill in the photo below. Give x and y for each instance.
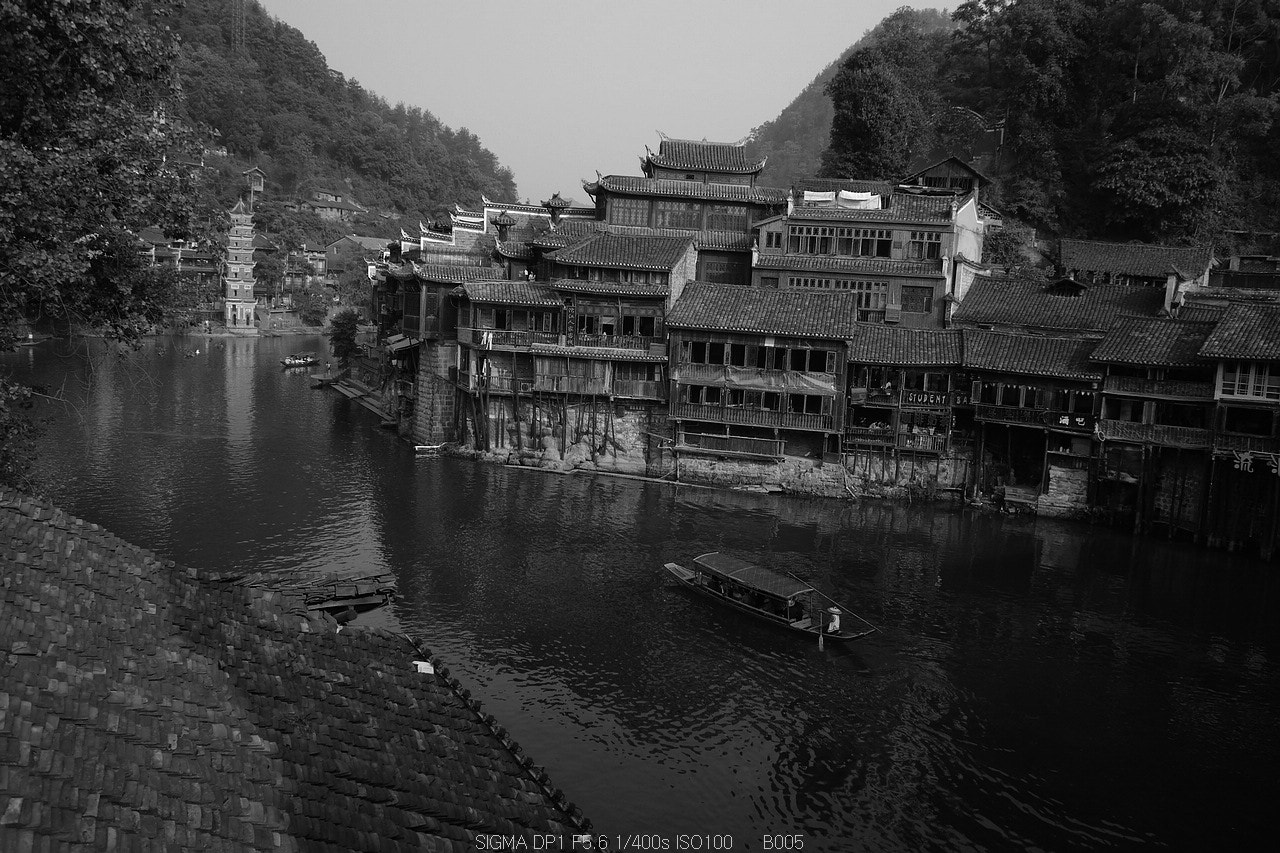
(795, 140)
(1120, 119)
(278, 105)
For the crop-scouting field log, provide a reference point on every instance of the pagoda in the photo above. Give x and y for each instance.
(240, 302)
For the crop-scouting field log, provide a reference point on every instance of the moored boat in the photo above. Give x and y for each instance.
(300, 359)
(775, 597)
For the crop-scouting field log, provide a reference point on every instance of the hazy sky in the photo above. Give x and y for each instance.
(559, 89)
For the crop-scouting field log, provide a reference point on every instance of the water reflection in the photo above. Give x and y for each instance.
(1034, 684)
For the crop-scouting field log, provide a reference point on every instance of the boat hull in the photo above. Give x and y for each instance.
(686, 578)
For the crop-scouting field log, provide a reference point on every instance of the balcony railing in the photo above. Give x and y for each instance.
(869, 436)
(505, 338)
(645, 389)
(752, 417)
(1009, 414)
(923, 442)
(1246, 443)
(1169, 389)
(570, 384)
(628, 342)
(1154, 434)
(732, 444)
(781, 380)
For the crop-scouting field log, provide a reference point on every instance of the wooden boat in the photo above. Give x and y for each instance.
(301, 359)
(427, 449)
(782, 599)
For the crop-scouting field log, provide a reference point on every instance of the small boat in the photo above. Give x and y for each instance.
(320, 380)
(782, 599)
(301, 359)
(427, 449)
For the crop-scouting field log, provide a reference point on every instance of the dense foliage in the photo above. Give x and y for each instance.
(274, 102)
(1144, 119)
(343, 328)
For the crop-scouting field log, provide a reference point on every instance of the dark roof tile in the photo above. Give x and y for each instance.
(1153, 341)
(852, 266)
(511, 293)
(624, 251)
(734, 308)
(1140, 259)
(1033, 355)
(905, 207)
(874, 343)
(1033, 304)
(694, 190)
(620, 288)
(727, 157)
(1249, 332)
(213, 712)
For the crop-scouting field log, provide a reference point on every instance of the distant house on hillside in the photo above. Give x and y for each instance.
(329, 204)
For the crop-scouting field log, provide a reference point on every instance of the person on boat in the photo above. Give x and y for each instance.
(833, 620)
(795, 610)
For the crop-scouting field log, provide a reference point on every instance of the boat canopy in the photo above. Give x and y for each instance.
(751, 575)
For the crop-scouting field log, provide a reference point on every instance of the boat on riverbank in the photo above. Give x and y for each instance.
(781, 599)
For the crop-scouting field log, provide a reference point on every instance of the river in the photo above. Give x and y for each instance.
(1035, 684)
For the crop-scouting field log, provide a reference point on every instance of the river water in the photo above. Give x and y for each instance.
(1034, 685)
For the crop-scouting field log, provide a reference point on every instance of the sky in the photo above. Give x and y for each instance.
(561, 89)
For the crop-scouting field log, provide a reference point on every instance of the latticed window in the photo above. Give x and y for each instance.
(727, 217)
(872, 295)
(679, 214)
(925, 245)
(872, 242)
(629, 211)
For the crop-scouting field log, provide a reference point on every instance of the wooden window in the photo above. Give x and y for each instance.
(629, 211)
(698, 353)
(715, 353)
(773, 240)
(727, 217)
(872, 295)
(679, 214)
(925, 245)
(872, 243)
(770, 281)
(917, 300)
(738, 355)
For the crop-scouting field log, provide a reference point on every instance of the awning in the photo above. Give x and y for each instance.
(394, 347)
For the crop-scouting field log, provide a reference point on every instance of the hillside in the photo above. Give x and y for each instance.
(275, 103)
(795, 140)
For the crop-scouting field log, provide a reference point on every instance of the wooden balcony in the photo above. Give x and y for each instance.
(922, 442)
(1240, 443)
(505, 339)
(731, 445)
(1009, 414)
(627, 342)
(869, 437)
(641, 389)
(752, 417)
(571, 385)
(721, 374)
(1162, 389)
(1157, 435)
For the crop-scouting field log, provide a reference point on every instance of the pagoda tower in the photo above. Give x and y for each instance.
(240, 302)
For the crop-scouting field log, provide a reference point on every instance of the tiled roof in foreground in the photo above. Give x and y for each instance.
(734, 308)
(1014, 302)
(1031, 355)
(148, 706)
(874, 343)
(1142, 259)
(1246, 332)
(1154, 342)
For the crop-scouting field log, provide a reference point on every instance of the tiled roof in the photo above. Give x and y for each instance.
(931, 208)
(1196, 313)
(610, 353)
(617, 250)
(1003, 352)
(704, 156)
(145, 705)
(1246, 332)
(1134, 258)
(1153, 341)
(874, 343)
(453, 273)
(511, 293)
(517, 250)
(618, 288)
(866, 266)
(734, 308)
(695, 190)
(831, 185)
(1016, 302)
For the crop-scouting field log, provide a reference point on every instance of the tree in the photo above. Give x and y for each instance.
(91, 152)
(343, 327)
(87, 159)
